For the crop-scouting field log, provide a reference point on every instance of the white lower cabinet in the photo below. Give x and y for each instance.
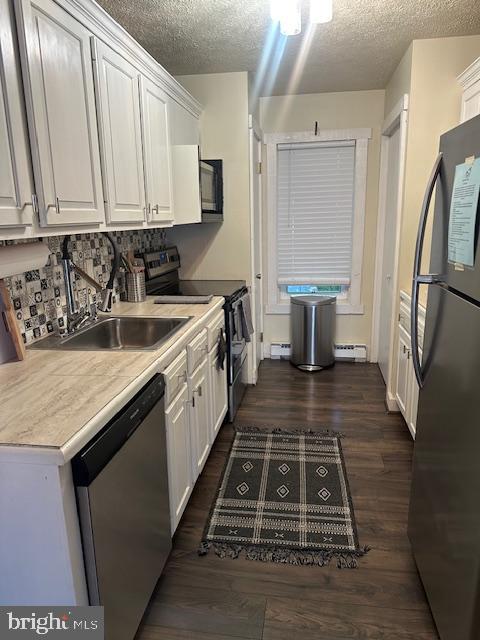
(404, 354)
(199, 411)
(180, 481)
(413, 399)
(218, 390)
(407, 386)
(196, 404)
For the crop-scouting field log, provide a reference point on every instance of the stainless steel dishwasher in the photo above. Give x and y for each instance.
(122, 492)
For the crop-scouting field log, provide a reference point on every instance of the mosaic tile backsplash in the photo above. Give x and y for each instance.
(38, 296)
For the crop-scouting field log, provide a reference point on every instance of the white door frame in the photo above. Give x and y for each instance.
(255, 137)
(398, 117)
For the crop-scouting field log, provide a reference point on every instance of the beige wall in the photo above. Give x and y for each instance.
(345, 110)
(399, 83)
(428, 73)
(435, 97)
(221, 250)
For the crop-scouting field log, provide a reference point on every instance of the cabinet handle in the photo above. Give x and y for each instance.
(57, 205)
(155, 209)
(404, 349)
(408, 354)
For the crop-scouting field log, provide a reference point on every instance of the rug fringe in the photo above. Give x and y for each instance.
(319, 558)
(293, 431)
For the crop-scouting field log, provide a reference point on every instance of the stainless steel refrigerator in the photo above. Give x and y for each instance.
(444, 519)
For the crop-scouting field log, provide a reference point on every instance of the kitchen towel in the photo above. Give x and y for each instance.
(222, 349)
(246, 318)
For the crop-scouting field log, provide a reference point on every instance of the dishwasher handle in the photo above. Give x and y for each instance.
(95, 455)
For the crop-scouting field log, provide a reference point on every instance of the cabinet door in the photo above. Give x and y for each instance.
(118, 99)
(402, 370)
(471, 96)
(218, 391)
(199, 392)
(156, 147)
(59, 88)
(16, 185)
(180, 482)
(412, 396)
(184, 136)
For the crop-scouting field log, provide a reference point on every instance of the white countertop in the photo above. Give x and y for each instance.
(53, 402)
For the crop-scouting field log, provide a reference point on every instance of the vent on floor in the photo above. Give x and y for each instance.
(349, 352)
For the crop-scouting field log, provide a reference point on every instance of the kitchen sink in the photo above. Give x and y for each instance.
(120, 333)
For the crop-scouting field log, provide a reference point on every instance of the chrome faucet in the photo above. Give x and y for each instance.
(77, 318)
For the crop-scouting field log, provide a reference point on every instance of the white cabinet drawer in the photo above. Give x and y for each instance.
(175, 376)
(196, 351)
(213, 329)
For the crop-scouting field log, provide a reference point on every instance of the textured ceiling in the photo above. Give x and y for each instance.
(359, 49)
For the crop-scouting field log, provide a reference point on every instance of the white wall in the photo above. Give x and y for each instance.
(221, 250)
(344, 110)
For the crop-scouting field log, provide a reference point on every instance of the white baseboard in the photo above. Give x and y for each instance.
(391, 403)
(346, 352)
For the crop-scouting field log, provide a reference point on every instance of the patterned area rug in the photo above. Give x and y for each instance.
(284, 497)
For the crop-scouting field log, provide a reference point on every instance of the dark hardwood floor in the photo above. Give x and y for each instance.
(208, 598)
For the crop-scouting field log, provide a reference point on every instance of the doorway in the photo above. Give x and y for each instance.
(255, 138)
(392, 163)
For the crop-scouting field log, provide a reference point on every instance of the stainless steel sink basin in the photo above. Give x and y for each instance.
(120, 333)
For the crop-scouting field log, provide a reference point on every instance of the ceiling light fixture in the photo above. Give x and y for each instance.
(321, 11)
(288, 13)
(276, 10)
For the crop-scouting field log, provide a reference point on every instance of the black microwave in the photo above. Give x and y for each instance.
(211, 190)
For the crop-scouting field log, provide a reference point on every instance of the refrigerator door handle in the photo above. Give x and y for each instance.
(419, 279)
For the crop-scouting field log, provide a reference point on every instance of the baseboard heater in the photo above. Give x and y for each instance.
(345, 352)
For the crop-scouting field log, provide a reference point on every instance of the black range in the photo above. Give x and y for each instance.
(161, 269)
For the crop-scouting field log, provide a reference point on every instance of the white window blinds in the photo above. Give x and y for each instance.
(315, 203)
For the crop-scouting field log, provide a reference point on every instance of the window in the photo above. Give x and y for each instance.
(316, 198)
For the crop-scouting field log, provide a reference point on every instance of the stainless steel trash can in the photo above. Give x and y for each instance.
(312, 332)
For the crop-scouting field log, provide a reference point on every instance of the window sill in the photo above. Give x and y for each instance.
(343, 308)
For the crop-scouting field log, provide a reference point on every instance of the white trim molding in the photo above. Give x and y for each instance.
(255, 138)
(352, 305)
(324, 135)
(396, 119)
(470, 75)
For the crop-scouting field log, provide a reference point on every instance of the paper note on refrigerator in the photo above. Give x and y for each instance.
(463, 213)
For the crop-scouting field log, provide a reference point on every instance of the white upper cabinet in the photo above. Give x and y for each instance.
(185, 139)
(470, 82)
(16, 186)
(118, 93)
(59, 90)
(156, 149)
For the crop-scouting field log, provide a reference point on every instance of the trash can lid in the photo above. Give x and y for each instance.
(313, 301)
